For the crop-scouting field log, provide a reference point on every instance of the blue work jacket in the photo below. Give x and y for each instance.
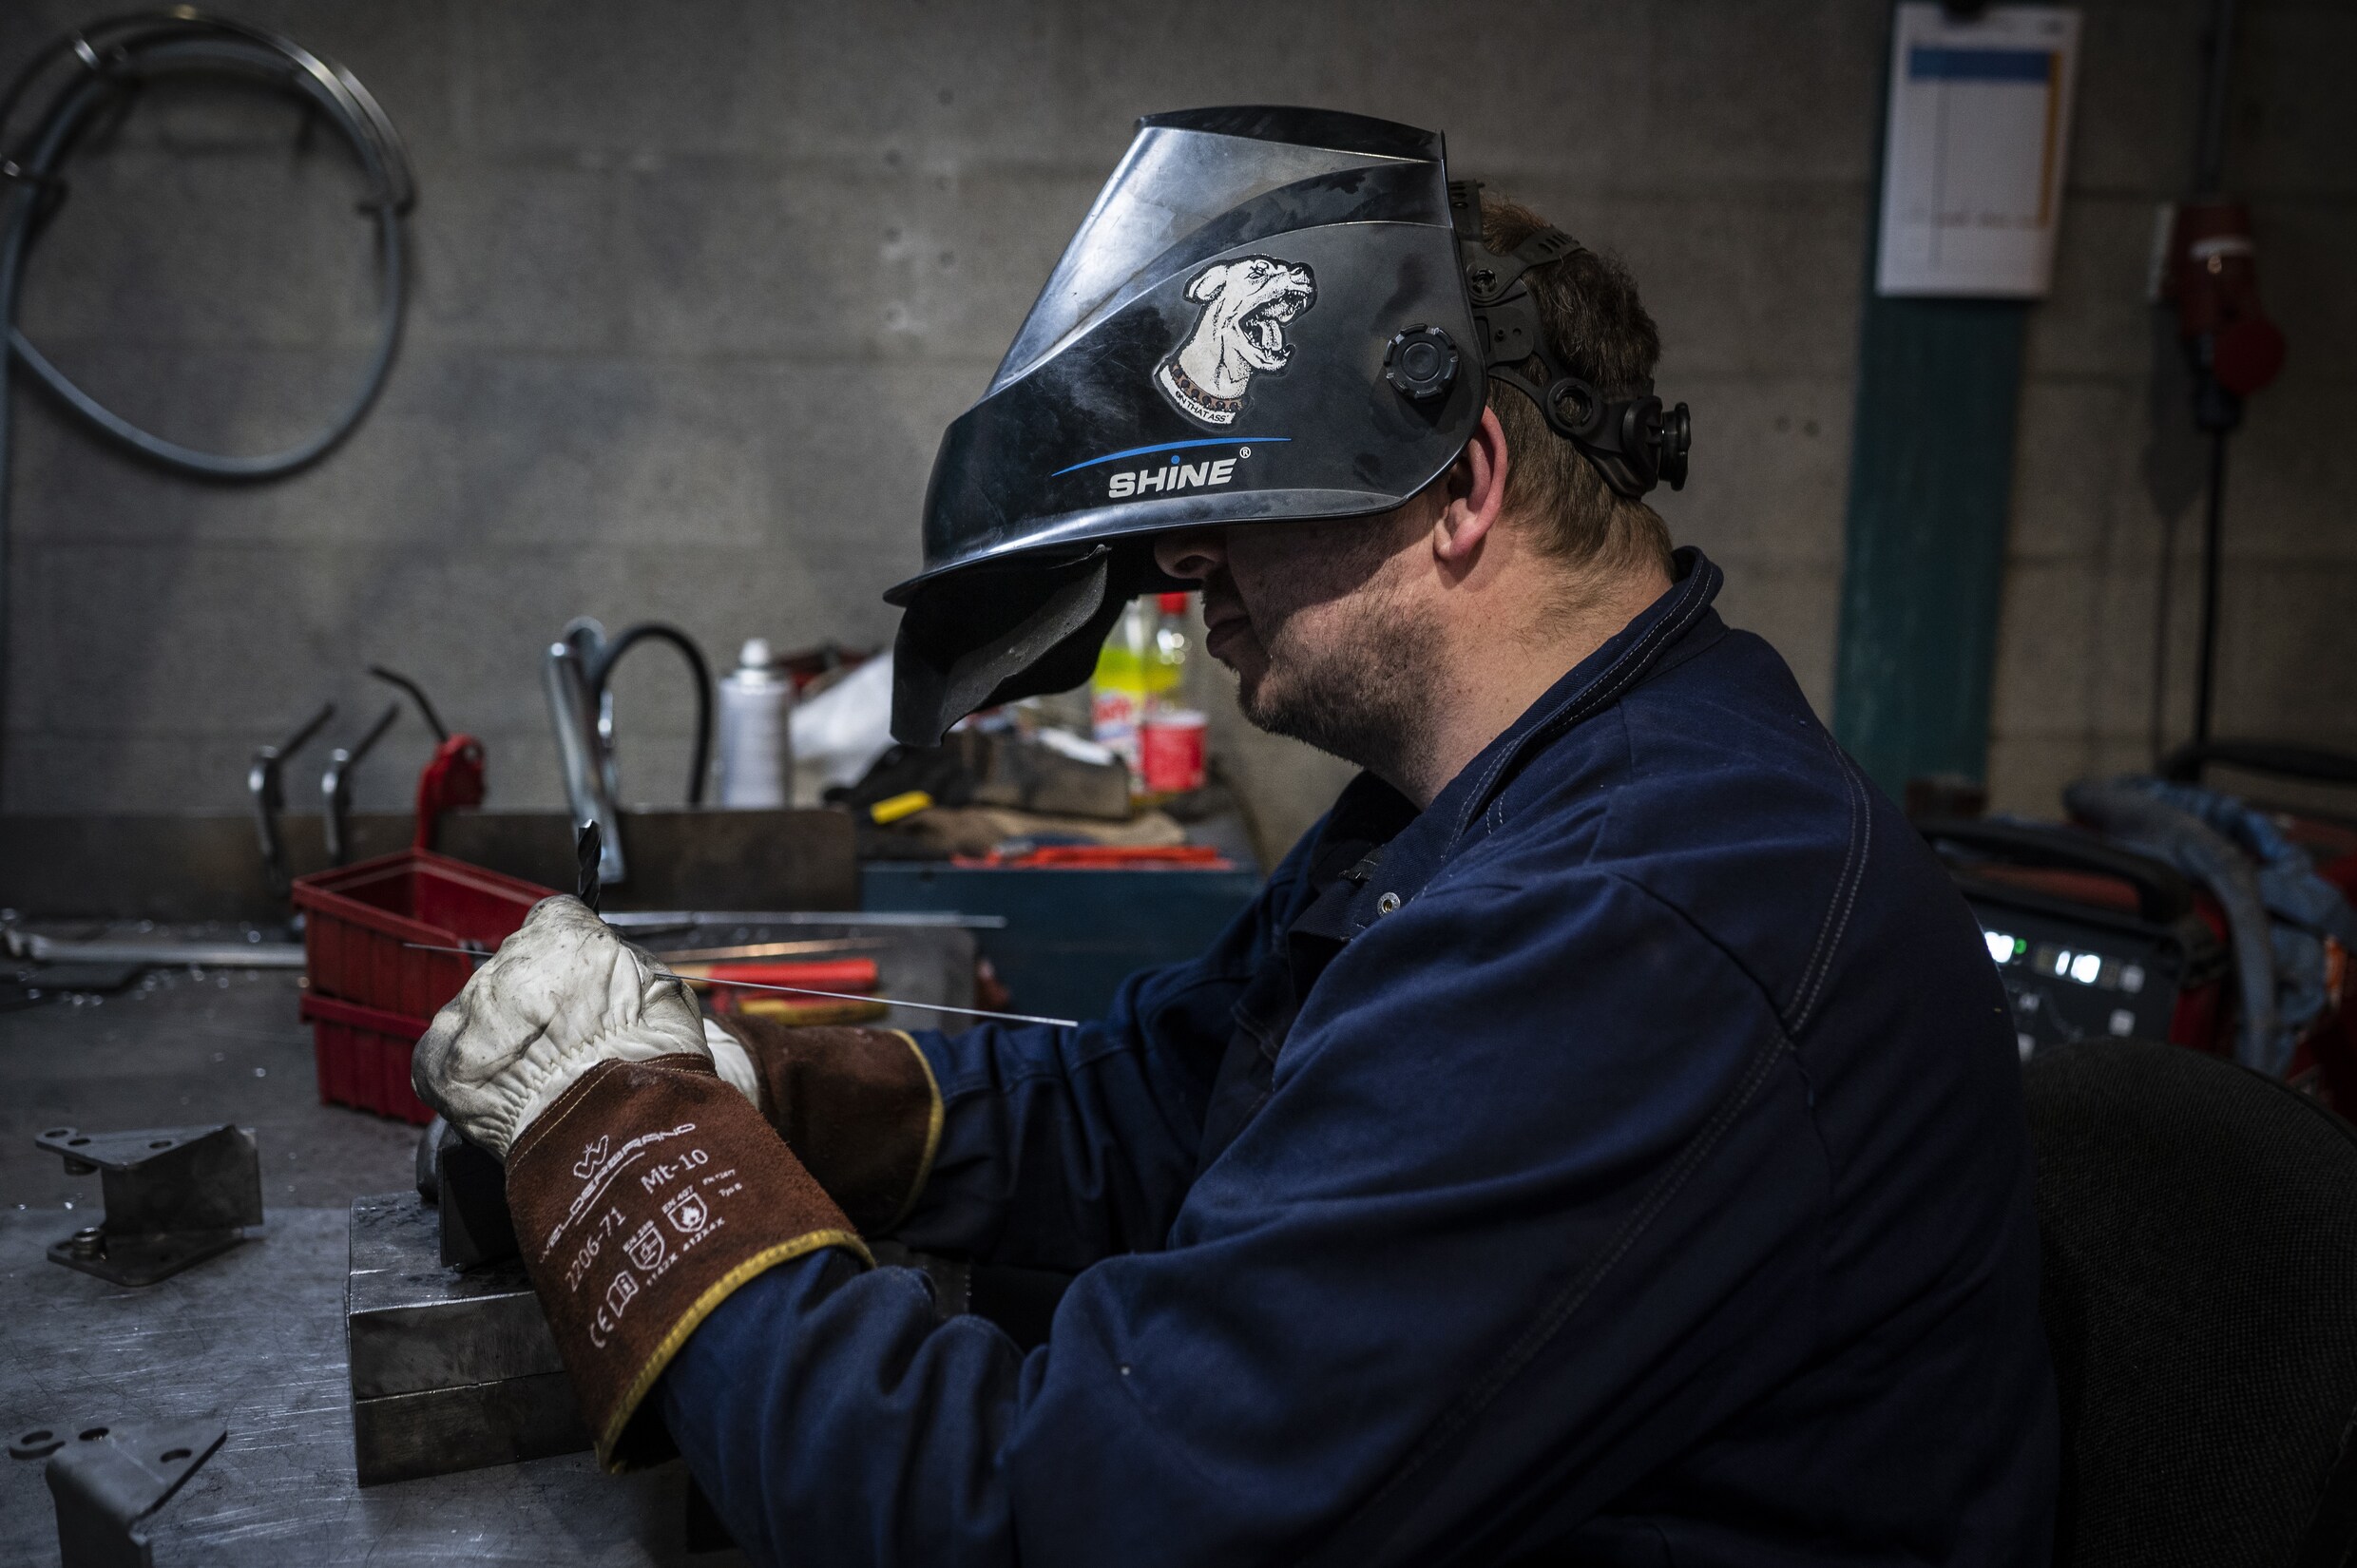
(1620, 1161)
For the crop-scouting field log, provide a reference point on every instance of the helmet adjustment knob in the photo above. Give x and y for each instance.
(1421, 363)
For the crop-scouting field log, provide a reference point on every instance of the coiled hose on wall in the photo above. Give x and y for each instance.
(104, 66)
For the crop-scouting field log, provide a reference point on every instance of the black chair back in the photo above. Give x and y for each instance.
(2199, 1230)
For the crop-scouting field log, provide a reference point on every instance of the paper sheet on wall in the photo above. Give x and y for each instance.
(1975, 151)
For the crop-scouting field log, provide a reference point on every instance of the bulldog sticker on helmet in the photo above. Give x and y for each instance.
(1238, 333)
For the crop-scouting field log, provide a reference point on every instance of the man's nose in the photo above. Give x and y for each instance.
(1195, 554)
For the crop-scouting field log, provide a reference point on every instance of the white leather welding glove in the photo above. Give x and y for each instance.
(561, 995)
(733, 1061)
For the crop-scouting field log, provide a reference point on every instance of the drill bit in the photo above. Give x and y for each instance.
(586, 855)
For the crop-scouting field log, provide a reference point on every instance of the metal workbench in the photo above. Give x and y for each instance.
(254, 1339)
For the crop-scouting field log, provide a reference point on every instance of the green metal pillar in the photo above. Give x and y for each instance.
(1923, 552)
(1931, 488)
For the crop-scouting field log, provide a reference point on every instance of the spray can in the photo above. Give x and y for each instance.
(756, 732)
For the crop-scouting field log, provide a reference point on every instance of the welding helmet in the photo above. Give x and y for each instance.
(1265, 316)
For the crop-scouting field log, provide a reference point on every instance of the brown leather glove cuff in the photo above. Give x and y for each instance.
(643, 1195)
(858, 1107)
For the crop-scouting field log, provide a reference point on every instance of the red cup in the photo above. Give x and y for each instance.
(1171, 751)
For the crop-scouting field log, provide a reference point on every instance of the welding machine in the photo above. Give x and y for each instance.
(2092, 940)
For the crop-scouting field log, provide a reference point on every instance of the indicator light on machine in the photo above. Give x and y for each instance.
(2066, 964)
(2085, 968)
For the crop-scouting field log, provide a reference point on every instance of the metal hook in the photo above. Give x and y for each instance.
(264, 783)
(425, 708)
(335, 785)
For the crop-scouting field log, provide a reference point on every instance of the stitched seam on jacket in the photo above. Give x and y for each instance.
(1467, 862)
(1262, 1032)
(1608, 684)
(1566, 1305)
(1699, 932)
(1837, 923)
(1825, 926)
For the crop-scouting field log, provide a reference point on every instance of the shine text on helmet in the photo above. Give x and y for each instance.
(1176, 476)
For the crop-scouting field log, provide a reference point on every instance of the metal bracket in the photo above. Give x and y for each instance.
(335, 787)
(108, 1479)
(175, 1196)
(468, 1190)
(265, 783)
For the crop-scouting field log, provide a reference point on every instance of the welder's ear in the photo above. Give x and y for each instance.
(1473, 491)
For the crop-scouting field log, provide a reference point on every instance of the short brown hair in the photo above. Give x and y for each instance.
(1591, 315)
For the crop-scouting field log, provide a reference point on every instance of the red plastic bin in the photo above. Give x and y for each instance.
(367, 997)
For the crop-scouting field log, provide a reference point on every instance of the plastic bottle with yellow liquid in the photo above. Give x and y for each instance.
(1137, 701)
(1124, 684)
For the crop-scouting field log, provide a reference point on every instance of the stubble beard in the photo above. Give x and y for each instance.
(1360, 691)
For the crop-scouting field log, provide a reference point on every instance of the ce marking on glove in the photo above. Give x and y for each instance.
(618, 1296)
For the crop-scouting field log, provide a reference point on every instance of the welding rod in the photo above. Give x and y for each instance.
(766, 949)
(804, 990)
(587, 856)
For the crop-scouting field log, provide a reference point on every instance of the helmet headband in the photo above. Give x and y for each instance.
(1633, 442)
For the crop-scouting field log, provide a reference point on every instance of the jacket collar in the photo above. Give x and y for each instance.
(1376, 851)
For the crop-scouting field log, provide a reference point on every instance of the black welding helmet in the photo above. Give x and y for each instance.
(1261, 319)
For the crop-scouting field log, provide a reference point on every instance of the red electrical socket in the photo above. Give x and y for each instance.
(2213, 278)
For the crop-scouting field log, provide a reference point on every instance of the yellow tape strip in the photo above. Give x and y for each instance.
(886, 812)
(689, 1321)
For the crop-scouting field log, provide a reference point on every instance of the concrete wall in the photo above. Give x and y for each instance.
(2110, 467)
(698, 285)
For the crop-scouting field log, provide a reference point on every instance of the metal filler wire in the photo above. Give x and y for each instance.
(587, 856)
(803, 990)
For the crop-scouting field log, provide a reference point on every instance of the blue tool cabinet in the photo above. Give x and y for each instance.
(1070, 935)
